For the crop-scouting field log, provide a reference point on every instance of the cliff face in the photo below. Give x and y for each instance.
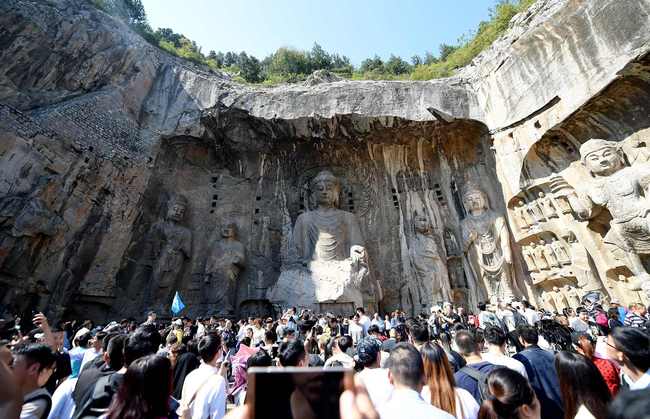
(101, 131)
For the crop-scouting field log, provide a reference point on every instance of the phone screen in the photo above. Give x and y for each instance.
(295, 393)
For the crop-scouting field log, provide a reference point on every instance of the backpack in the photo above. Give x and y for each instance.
(520, 320)
(48, 401)
(481, 379)
(99, 400)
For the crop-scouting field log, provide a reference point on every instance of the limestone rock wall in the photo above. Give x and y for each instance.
(100, 131)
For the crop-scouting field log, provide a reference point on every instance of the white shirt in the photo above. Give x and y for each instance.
(407, 403)
(345, 360)
(62, 403)
(642, 383)
(531, 316)
(210, 401)
(466, 406)
(89, 355)
(355, 331)
(364, 321)
(506, 361)
(377, 383)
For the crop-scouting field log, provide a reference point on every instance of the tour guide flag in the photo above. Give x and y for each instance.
(177, 304)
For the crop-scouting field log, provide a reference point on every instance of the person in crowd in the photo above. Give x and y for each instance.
(145, 390)
(630, 405)
(373, 376)
(377, 321)
(32, 366)
(258, 333)
(95, 401)
(583, 344)
(77, 353)
(440, 389)
(613, 318)
(512, 397)
(406, 374)
(355, 329)
(204, 389)
(622, 311)
(473, 373)
(340, 347)
(581, 322)
(418, 334)
(495, 339)
(170, 341)
(636, 317)
(531, 315)
(364, 321)
(112, 361)
(94, 348)
(11, 398)
(455, 359)
(292, 354)
(185, 364)
(540, 368)
(580, 400)
(630, 348)
(487, 317)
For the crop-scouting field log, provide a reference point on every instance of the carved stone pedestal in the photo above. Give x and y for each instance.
(321, 282)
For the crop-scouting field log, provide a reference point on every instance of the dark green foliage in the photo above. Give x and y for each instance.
(291, 65)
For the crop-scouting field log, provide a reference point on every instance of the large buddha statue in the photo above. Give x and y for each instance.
(486, 242)
(330, 253)
(326, 233)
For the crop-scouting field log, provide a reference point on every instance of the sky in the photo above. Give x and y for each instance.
(356, 28)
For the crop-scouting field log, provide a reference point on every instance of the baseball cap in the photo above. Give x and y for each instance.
(367, 350)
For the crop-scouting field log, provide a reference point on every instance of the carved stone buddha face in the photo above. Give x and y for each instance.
(326, 189)
(422, 224)
(604, 161)
(176, 211)
(229, 231)
(475, 201)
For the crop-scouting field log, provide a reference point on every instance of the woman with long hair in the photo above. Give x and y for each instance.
(441, 390)
(584, 392)
(512, 397)
(144, 393)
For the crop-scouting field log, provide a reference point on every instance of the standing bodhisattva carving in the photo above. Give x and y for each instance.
(621, 190)
(222, 269)
(171, 245)
(486, 241)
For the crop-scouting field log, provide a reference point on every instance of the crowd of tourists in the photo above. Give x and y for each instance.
(509, 360)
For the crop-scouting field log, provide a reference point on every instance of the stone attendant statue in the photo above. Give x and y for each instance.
(427, 264)
(523, 217)
(330, 250)
(171, 246)
(549, 254)
(546, 205)
(561, 252)
(527, 253)
(222, 269)
(621, 190)
(540, 258)
(486, 241)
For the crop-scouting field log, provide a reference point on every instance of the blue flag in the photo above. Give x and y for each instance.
(177, 304)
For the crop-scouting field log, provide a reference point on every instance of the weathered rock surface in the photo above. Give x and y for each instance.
(100, 130)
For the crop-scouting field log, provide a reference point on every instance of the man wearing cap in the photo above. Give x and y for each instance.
(621, 190)
(372, 376)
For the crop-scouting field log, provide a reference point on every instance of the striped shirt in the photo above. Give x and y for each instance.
(634, 320)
